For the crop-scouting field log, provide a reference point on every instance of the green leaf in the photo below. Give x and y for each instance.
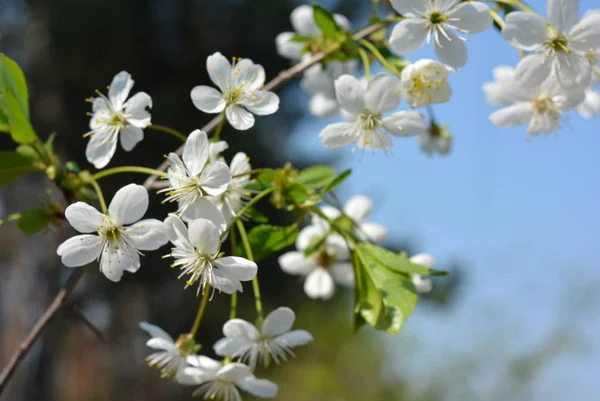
(15, 100)
(257, 186)
(28, 152)
(300, 39)
(316, 176)
(265, 240)
(267, 176)
(256, 216)
(368, 301)
(396, 298)
(326, 22)
(12, 166)
(4, 125)
(336, 181)
(396, 262)
(297, 193)
(33, 221)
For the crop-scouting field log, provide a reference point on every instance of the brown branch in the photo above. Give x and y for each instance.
(280, 79)
(78, 314)
(36, 331)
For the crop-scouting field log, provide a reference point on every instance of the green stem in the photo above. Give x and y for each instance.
(379, 57)
(517, 3)
(233, 306)
(255, 286)
(128, 169)
(248, 206)
(168, 130)
(220, 126)
(366, 63)
(10, 217)
(200, 313)
(100, 196)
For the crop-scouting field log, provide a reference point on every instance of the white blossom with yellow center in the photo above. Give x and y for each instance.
(425, 82)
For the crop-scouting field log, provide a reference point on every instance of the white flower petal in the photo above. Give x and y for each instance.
(286, 48)
(323, 106)
(207, 99)
(239, 118)
(215, 150)
(526, 31)
(409, 7)
(337, 246)
(235, 267)
(474, 17)
(147, 235)
(259, 387)
(573, 71)
(423, 259)
(408, 36)
(129, 204)
(358, 207)
(230, 347)
(405, 123)
(303, 21)
(590, 107)
(101, 148)
(338, 135)
(262, 103)
(175, 228)
(156, 331)
(295, 338)
(218, 70)
(319, 284)
(278, 322)
(238, 329)
(452, 51)
(226, 285)
(533, 69)
(204, 235)
(80, 250)
(83, 217)
(563, 14)
(585, 35)
(543, 124)
(239, 164)
(195, 151)
(343, 274)
(215, 178)
(205, 363)
(514, 115)
(205, 209)
(308, 234)
(296, 263)
(130, 136)
(119, 89)
(234, 372)
(383, 94)
(350, 93)
(161, 343)
(372, 232)
(422, 285)
(111, 265)
(135, 110)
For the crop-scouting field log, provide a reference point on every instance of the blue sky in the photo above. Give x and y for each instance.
(521, 212)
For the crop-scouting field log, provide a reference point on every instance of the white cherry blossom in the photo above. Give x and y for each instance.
(324, 267)
(370, 129)
(221, 382)
(304, 25)
(541, 108)
(425, 82)
(319, 81)
(170, 355)
(197, 251)
(240, 91)
(422, 284)
(194, 177)
(440, 21)
(436, 139)
(119, 236)
(559, 45)
(274, 340)
(115, 117)
(231, 201)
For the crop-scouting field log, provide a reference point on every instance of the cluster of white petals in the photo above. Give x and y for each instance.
(425, 82)
(330, 263)
(365, 104)
(169, 357)
(240, 91)
(197, 251)
(115, 117)
(274, 340)
(440, 21)
(119, 235)
(422, 284)
(223, 381)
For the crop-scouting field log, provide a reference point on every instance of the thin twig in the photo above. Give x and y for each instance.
(78, 314)
(280, 79)
(36, 331)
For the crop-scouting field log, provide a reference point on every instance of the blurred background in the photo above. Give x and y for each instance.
(514, 219)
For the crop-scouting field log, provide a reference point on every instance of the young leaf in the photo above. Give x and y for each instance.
(33, 221)
(256, 216)
(396, 262)
(368, 301)
(297, 193)
(326, 22)
(15, 100)
(299, 39)
(336, 181)
(316, 176)
(396, 291)
(265, 240)
(12, 166)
